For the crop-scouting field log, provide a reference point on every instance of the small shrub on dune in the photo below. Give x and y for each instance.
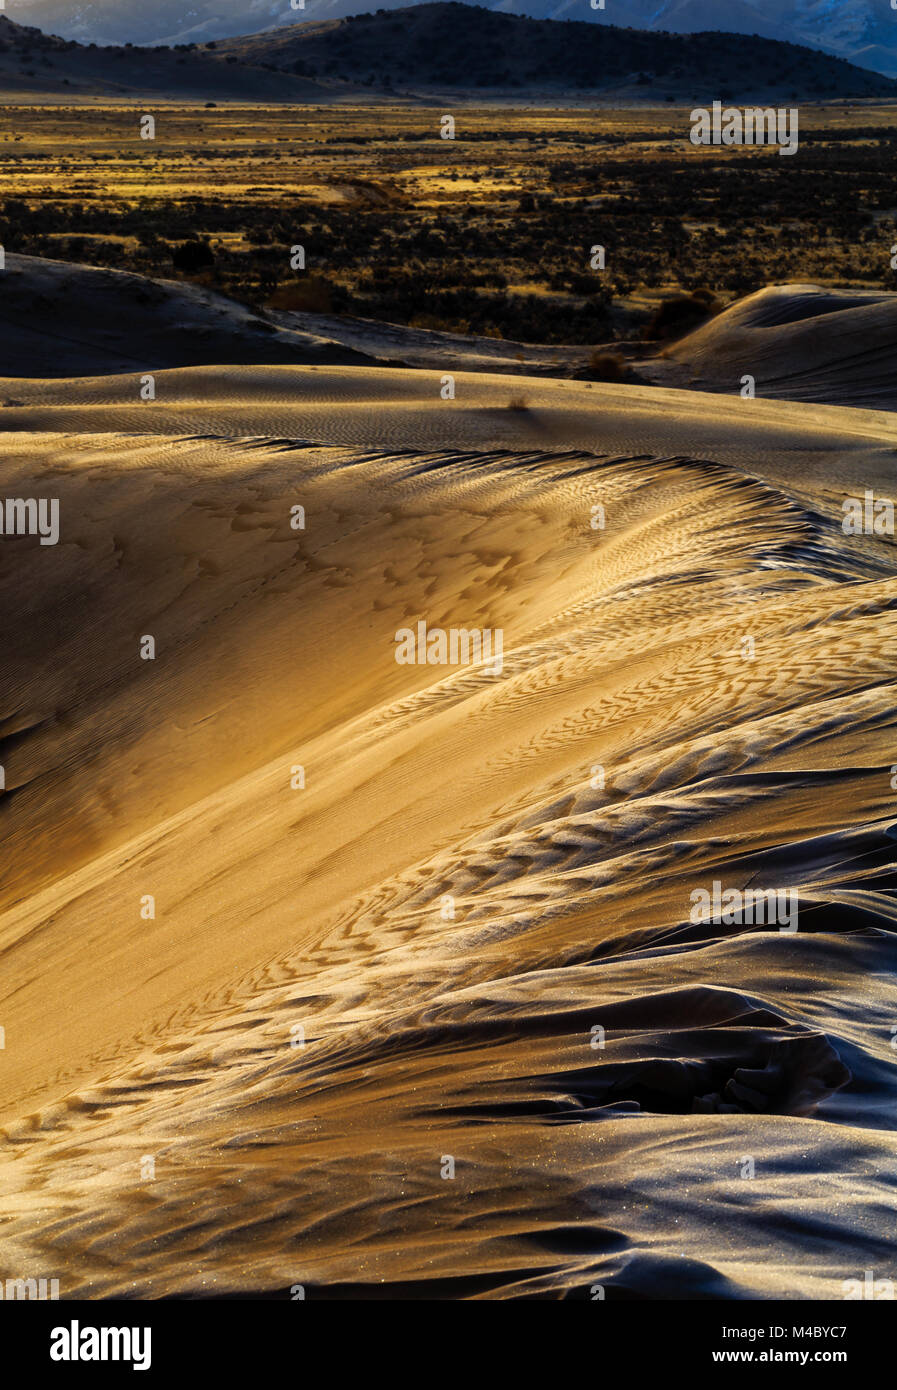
(310, 295)
(680, 315)
(606, 366)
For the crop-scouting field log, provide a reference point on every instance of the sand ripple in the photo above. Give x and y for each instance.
(467, 944)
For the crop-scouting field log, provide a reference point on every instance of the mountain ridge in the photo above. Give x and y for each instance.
(858, 30)
(453, 44)
(448, 49)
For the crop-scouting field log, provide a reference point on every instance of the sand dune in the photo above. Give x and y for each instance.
(482, 871)
(66, 320)
(434, 349)
(63, 320)
(799, 343)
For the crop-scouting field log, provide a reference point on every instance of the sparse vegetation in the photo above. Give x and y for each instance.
(489, 235)
(680, 314)
(606, 366)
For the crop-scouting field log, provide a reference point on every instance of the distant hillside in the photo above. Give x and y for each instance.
(460, 47)
(450, 50)
(34, 65)
(863, 31)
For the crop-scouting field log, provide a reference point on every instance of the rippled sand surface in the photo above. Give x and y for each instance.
(439, 1023)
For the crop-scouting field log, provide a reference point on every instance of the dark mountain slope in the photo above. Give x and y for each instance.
(862, 31)
(456, 49)
(463, 47)
(34, 65)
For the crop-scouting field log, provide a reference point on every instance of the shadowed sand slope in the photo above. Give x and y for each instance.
(798, 342)
(62, 320)
(465, 944)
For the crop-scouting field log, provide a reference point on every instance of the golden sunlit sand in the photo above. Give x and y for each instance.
(408, 960)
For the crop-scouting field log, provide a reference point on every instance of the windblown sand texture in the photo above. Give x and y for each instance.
(798, 342)
(453, 904)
